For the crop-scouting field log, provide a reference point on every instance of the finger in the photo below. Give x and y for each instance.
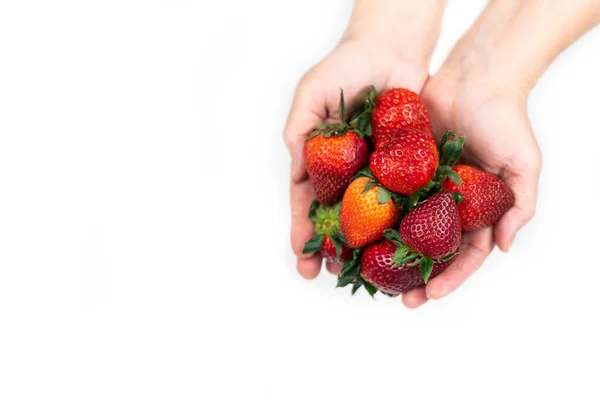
(309, 267)
(301, 196)
(475, 247)
(415, 297)
(304, 115)
(525, 187)
(333, 267)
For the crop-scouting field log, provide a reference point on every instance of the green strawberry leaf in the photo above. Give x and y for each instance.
(416, 262)
(317, 132)
(338, 245)
(313, 245)
(356, 114)
(399, 200)
(402, 255)
(392, 235)
(370, 288)
(451, 150)
(337, 207)
(454, 177)
(363, 122)
(369, 185)
(457, 197)
(351, 269)
(445, 171)
(383, 195)
(364, 172)
(312, 210)
(426, 268)
(413, 199)
(406, 259)
(402, 251)
(361, 119)
(371, 97)
(357, 284)
(344, 281)
(444, 140)
(448, 256)
(340, 236)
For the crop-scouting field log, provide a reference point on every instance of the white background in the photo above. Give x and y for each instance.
(144, 221)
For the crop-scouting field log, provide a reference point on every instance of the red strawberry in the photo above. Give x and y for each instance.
(366, 213)
(333, 154)
(328, 238)
(378, 268)
(486, 197)
(396, 109)
(407, 162)
(433, 229)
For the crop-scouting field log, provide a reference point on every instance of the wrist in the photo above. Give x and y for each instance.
(408, 29)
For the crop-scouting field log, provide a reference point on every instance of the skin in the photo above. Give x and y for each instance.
(480, 92)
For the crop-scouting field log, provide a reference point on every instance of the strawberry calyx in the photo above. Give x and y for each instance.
(450, 149)
(405, 255)
(350, 274)
(327, 224)
(336, 129)
(383, 194)
(361, 119)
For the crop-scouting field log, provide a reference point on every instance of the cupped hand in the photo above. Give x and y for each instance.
(498, 139)
(352, 66)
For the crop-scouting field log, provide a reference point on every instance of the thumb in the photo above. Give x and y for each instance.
(522, 178)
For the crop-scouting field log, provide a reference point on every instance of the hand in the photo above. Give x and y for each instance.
(352, 66)
(498, 139)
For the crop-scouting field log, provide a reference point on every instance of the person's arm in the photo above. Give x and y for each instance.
(409, 28)
(388, 43)
(515, 41)
(481, 92)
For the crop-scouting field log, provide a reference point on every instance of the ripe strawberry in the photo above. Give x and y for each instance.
(328, 238)
(396, 109)
(433, 229)
(365, 214)
(486, 197)
(377, 267)
(333, 154)
(407, 162)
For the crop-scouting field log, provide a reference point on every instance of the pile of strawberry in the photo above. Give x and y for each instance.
(404, 202)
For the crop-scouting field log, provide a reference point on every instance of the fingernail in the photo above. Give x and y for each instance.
(430, 297)
(509, 245)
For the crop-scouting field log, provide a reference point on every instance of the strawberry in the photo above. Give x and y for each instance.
(406, 162)
(333, 154)
(328, 238)
(396, 109)
(377, 267)
(367, 210)
(432, 229)
(486, 197)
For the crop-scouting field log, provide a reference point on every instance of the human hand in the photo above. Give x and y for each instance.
(353, 65)
(493, 119)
